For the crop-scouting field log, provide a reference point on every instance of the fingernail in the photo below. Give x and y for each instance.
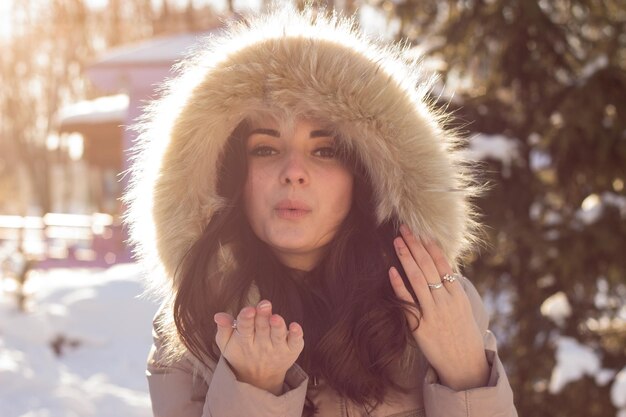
(404, 228)
(398, 242)
(264, 305)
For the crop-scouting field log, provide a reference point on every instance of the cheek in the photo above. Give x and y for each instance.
(349, 194)
(343, 186)
(251, 195)
(255, 192)
(253, 184)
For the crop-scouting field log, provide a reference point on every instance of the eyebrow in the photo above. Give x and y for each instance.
(276, 133)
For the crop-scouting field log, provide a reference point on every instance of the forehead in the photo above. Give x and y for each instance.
(286, 123)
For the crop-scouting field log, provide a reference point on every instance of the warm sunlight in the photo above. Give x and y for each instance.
(335, 169)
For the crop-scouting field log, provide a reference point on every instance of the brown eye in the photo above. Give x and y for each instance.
(326, 152)
(262, 151)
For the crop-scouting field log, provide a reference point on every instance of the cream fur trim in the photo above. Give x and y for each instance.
(294, 61)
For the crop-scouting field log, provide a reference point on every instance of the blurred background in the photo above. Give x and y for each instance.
(538, 88)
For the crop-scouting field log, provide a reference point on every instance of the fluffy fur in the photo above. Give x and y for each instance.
(303, 63)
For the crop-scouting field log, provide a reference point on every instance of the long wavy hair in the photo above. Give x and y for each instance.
(354, 326)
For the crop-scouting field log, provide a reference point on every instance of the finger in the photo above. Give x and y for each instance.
(403, 293)
(262, 321)
(421, 255)
(414, 274)
(245, 322)
(295, 338)
(225, 330)
(278, 330)
(441, 263)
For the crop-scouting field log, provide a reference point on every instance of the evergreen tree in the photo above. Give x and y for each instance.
(550, 77)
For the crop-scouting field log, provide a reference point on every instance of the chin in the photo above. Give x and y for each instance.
(289, 246)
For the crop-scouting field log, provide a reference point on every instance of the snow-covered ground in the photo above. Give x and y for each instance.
(103, 333)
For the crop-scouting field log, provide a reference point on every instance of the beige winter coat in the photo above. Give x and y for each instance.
(324, 67)
(176, 392)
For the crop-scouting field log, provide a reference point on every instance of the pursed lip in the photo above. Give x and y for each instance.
(288, 204)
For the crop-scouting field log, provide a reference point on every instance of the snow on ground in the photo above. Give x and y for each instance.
(103, 333)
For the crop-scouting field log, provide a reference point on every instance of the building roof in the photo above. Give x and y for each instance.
(108, 109)
(158, 51)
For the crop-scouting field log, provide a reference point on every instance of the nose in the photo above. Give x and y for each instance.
(294, 170)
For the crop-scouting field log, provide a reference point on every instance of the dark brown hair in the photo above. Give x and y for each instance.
(354, 325)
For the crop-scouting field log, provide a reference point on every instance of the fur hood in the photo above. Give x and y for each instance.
(323, 65)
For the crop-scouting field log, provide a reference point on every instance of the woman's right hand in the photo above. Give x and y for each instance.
(261, 349)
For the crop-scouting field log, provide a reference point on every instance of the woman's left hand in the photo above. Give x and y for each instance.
(447, 333)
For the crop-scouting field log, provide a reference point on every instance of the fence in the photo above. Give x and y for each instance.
(64, 240)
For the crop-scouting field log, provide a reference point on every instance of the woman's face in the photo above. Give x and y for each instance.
(297, 191)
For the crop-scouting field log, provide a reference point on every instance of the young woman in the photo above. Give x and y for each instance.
(303, 213)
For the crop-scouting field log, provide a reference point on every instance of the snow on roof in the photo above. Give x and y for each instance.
(101, 110)
(162, 50)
